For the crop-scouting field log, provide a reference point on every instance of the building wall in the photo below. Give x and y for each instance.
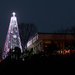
(60, 41)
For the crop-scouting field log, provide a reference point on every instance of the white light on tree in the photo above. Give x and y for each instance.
(12, 35)
(14, 13)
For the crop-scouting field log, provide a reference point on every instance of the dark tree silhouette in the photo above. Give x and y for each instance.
(71, 31)
(26, 32)
(66, 30)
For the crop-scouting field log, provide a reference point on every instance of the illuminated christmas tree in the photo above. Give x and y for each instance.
(13, 38)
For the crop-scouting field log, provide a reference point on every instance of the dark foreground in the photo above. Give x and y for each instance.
(40, 66)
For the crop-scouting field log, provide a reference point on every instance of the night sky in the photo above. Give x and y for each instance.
(47, 15)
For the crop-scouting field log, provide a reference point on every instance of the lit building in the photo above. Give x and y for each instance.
(13, 38)
(52, 41)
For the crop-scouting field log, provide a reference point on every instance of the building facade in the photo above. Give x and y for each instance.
(52, 41)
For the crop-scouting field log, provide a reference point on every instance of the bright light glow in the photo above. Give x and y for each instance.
(12, 33)
(13, 50)
(14, 13)
(29, 43)
(14, 36)
(63, 51)
(32, 41)
(13, 17)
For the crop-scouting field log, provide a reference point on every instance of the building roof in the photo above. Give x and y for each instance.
(53, 33)
(52, 36)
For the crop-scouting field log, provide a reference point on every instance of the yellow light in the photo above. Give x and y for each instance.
(48, 42)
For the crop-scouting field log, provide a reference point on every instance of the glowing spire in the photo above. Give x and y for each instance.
(14, 13)
(13, 38)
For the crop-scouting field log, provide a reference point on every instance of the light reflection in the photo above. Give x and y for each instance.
(63, 51)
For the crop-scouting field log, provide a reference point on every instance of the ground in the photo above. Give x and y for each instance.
(53, 65)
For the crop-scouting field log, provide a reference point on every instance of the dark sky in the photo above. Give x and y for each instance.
(47, 15)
